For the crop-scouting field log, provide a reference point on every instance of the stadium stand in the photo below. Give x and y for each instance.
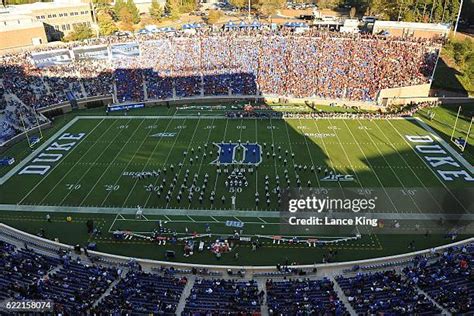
(223, 297)
(449, 280)
(243, 63)
(34, 268)
(144, 293)
(385, 292)
(303, 297)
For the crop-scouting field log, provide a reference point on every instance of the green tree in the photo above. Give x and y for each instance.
(125, 16)
(239, 4)
(119, 5)
(133, 11)
(172, 8)
(156, 10)
(106, 23)
(79, 33)
(214, 16)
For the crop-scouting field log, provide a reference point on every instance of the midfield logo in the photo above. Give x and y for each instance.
(338, 177)
(252, 154)
(164, 134)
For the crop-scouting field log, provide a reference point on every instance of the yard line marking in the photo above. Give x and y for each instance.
(217, 174)
(406, 163)
(345, 152)
(331, 163)
(214, 219)
(167, 218)
(202, 157)
(55, 166)
(76, 163)
(273, 142)
(187, 150)
(389, 165)
(129, 162)
(310, 156)
(113, 160)
(113, 223)
(146, 164)
(22, 163)
(166, 160)
(431, 169)
(192, 219)
(256, 167)
(263, 221)
(376, 175)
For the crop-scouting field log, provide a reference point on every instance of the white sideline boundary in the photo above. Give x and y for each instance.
(448, 147)
(196, 212)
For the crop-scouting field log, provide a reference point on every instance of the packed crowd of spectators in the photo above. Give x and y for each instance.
(317, 64)
(16, 118)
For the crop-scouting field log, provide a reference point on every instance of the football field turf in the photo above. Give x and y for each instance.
(94, 166)
(88, 162)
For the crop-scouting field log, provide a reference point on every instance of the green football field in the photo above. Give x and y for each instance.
(85, 168)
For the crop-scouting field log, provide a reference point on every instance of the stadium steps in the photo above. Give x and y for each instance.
(185, 294)
(443, 310)
(109, 289)
(261, 286)
(342, 297)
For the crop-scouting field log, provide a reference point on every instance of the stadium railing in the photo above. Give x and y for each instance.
(264, 271)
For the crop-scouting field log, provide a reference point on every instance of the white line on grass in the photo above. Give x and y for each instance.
(406, 163)
(345, 152)
(115, 158)
(202, 156)
(331, 164)
(22, 163)
(187, 149)
(217, 174)
(430, 168)
(55, 166)
(166, 161)
(310, 156)
(129, 162)
(389, 165)
(371, 168)
(146, 164)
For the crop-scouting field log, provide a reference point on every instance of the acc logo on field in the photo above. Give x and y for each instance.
(338, 177)
(227, 151)
(164, 134)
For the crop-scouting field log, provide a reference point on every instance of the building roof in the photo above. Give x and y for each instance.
(11, 21)
(28, 8)
(412, 25)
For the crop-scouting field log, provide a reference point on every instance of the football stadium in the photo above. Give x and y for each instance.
(245, 170)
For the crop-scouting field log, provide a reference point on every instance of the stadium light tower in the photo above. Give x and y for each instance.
(459, 16)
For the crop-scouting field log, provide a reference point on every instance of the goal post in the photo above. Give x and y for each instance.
(459, 136)
(32, 140)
